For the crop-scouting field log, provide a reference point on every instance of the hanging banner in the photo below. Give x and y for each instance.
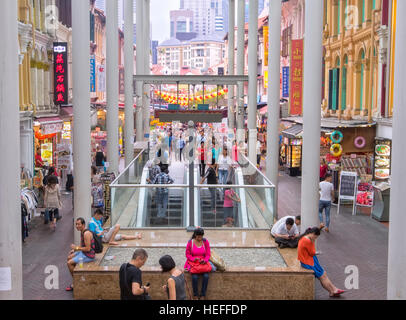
(285, 82)
(101, 72)
(121, 80)
(61, 89)
(265, 79)
(296, 78)
(266, 45)
(92, 73)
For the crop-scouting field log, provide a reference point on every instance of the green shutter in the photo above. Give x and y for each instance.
(362, 86)
(335, 73)
(373, 4)
(363, 10)
(344, 90)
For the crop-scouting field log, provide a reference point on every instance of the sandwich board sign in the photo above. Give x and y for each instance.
(348, 189)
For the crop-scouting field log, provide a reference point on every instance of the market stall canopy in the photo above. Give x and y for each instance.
(49, 120)
(293, 132)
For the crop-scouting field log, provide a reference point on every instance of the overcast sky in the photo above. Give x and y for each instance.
(160, 20)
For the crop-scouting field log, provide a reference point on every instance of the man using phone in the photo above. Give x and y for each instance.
(130, 276)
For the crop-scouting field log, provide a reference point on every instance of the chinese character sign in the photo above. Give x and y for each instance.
(61, 88)
(265, 79)
(266, 45)
(285, 82)
(296, 78)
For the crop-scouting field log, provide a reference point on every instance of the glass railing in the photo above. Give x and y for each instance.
(137, 204)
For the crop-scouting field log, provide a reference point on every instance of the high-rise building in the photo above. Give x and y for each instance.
(154, 46)
(261, 6)
(205, 13)
(181, 22)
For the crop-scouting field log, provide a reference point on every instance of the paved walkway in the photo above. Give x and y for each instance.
(44, 247)
(353, 240)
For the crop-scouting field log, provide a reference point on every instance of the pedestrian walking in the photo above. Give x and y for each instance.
(326, 198)
(52, 201)
(198, 253)
(175, 285)
(211, 178)
(99, 159)
(306, 254)
(130, 278)
(229, 197)
(323, 169)
(162, 194)
(202, 157)
(224, 165)
(181, 146)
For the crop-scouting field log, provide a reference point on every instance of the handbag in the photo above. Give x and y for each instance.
(217, 261)
(198, 268)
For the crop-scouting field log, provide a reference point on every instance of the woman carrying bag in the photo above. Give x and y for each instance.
(52, 201)
(197, 263)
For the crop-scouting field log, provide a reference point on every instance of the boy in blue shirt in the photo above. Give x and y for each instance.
(109, 235)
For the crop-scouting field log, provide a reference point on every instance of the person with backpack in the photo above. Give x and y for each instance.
(109, 235)
(84, 253)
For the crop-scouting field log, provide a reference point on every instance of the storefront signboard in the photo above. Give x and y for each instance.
(51, 128)
(285, 82)
(101, 73)
(61, 83)
(296, 78)
(92, 73)
(266, 44)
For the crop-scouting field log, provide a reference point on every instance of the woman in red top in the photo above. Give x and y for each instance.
(306, 254)
(323, 169)
(39, 163)
(202, 158)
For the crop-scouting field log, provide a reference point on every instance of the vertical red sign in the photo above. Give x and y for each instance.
(296, 79)
(61, 88)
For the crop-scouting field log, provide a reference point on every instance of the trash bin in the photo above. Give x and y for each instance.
(380, 210)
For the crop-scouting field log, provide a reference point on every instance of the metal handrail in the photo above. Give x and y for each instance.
(187, 186)
(255, 167)
(128, 167)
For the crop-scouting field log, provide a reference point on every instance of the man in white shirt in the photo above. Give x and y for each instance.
(286, 232)
(326, 198)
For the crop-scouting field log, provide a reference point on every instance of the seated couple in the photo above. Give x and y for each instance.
(109, 235)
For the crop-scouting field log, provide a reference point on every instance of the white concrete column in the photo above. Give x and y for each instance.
(274, 65)
(139, 68)
(397, 242)
(231, 62)
(10, 208)
(252, 79)
(34, 84)
(47, 100)
(147, 70)
(128, 73)
(112, 84)
(40, 88)
(313, 49)
(81, 110)
(240, 68)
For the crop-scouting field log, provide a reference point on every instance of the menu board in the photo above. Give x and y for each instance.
(382, 159)
(348, 185)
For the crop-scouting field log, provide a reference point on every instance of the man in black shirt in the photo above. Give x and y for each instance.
(211, 177)
(130, 275)
(99, 158)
